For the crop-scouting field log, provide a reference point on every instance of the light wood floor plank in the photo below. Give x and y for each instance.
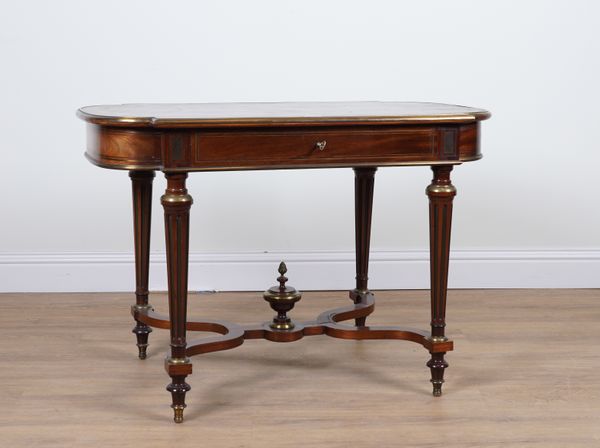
(525, 373)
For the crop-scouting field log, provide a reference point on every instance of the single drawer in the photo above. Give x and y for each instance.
(290, 148)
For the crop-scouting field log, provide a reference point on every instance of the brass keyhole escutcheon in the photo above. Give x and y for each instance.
(321, 145)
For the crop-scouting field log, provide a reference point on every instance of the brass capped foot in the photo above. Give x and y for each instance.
(141, 332)
(437, 364)
(282, 299)
(178, 387)
(142, 351)
(178, 413)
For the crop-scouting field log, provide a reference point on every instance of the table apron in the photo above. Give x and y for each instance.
(277, 148)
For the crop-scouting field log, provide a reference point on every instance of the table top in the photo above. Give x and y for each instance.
(280, 114)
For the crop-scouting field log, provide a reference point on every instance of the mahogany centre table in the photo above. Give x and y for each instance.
(181, 138)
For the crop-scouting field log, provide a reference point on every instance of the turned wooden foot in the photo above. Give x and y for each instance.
(364, 179)
(437, 364)
(441, 193)
(141, 332)
(178, 388)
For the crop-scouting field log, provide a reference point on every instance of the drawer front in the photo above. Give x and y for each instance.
(314, 148)
(203, 149)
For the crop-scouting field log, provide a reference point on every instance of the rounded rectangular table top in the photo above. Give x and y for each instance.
(279, 114)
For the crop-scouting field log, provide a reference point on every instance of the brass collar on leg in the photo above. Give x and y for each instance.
(437, 339)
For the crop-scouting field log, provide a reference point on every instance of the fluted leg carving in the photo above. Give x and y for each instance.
(176, 203)
(364, 179)
(141, 183)
(441, 193)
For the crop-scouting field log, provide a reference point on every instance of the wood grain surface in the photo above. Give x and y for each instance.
(525, 374)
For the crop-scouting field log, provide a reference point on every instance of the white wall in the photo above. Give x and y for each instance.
(532, 200)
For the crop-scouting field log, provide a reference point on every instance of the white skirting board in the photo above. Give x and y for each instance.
(256, 271)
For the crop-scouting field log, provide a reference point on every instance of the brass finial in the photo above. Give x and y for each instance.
(282, 278)
(282, 299)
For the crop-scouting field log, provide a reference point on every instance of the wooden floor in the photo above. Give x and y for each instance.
(525, 373)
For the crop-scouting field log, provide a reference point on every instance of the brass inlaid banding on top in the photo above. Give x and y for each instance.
(278, 114)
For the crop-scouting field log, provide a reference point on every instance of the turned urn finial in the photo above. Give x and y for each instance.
(282, 299)
(282, 278)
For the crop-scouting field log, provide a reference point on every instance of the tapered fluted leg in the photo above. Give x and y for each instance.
(176, 203)
(441, 193)
(364, 179)
(141, 183)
